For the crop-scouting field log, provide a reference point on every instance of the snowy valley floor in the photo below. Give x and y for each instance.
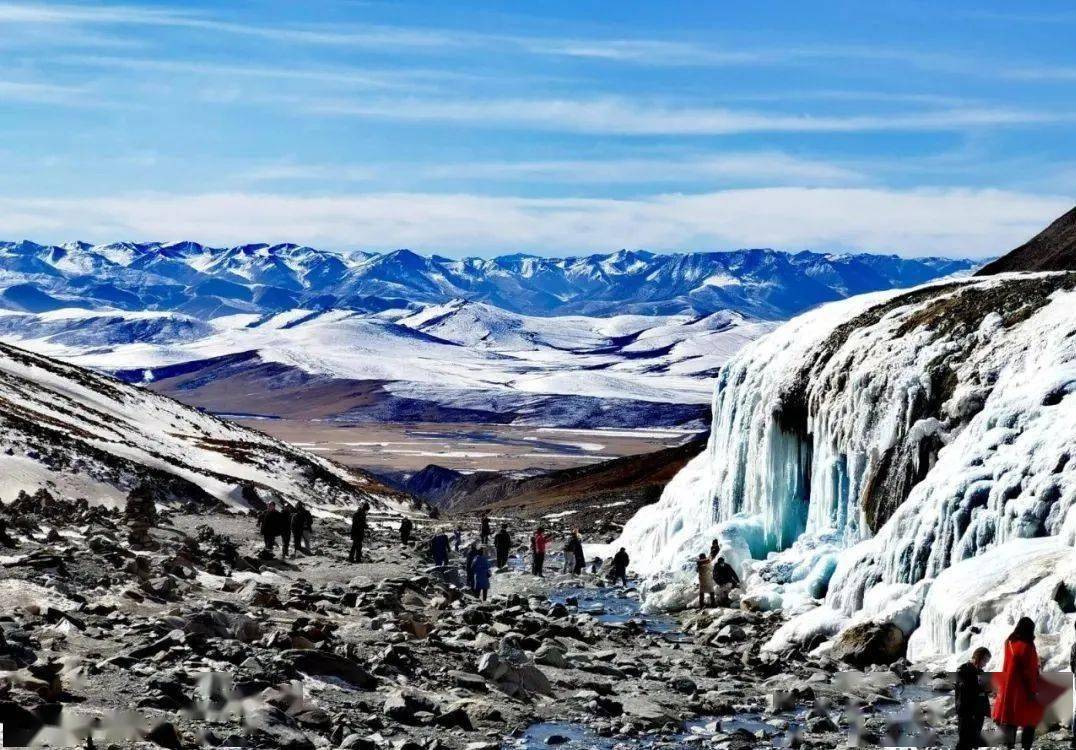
(316, 652)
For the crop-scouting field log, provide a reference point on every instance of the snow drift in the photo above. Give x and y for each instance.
(886, 457)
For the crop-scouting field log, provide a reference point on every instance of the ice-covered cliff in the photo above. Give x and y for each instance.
(907, 456)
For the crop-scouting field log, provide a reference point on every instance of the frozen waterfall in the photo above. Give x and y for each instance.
(863, 450)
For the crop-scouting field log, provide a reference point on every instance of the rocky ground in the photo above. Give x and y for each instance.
(176, 632)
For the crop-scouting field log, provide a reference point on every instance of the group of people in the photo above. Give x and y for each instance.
(715, 575)
(293, 526)
(1021, 695)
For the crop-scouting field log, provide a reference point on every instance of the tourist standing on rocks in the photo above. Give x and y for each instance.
(485, 528)
(1017, 705)
(406, 526)
(620, 567)
(724, 575)
(580, 561)
(358, 534)
(715, 549)
(480, 571)
(457, 538)
(706, 581)
(274, 524)
(972, 700)
(502, 542)
(569, 556)
(539, 544)
(468, 564)
(285, 529)
(439, 548)
(301, 524)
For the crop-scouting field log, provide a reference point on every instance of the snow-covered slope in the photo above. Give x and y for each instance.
(81, 434)
(455, 353)
(207, 282)
(887, 457)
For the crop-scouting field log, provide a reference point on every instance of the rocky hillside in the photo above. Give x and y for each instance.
(80, 434)
(590, 497)
(1052, 249)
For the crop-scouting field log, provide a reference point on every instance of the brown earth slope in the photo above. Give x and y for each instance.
(597, 496)
(1052, 249)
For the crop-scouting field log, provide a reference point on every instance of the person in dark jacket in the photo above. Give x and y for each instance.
(503, 543)
(286, 512)
(5, 538)
(480, 572)
(358, 534)
(972, 700)
(301, 523)
(274, 524)
(580, 561)
(485, 529)
(406, 526)
(457, 538)
(715, 549)
(439, 548)
(468, 565)
(620, 566)
(724, 575)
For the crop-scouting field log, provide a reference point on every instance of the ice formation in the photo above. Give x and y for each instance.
(879, 450)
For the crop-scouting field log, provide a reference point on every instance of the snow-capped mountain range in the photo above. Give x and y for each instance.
(207, 282)
(595, 340)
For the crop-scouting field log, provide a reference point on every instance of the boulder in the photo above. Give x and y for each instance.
(328, 664)
(870, 643)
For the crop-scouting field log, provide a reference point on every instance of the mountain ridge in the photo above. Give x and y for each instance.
(208, 282)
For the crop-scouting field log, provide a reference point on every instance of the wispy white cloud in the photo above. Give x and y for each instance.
(36, 92)
(747, 168)
(634, 117)
(636, 51)
(344, 76)
(914, 222)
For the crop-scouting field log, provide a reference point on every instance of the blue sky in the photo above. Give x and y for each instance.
(549, 127)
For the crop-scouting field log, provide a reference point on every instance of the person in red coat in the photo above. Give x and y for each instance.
(1017, 705)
